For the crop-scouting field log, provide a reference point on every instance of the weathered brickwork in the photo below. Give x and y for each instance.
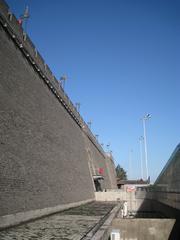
(44, 158)
(111, 171)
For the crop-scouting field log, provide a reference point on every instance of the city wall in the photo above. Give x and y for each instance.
(48, 153)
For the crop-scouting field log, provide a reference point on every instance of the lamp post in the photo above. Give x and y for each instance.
(89, 124)
(108, 145)
(63, 79)
(130, 164)
(141, 154)
(24, 18)
(144, 119)
(77, 106)
(97, 136)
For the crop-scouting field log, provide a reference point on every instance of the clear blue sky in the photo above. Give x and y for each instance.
(122, 59)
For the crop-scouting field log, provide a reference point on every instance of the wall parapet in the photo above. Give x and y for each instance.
(28, 49)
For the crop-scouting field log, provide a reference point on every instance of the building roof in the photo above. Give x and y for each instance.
(134, 182)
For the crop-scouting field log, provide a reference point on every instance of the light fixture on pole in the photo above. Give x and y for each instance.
(141, 154)
(144, 119)
(77, 106)
(24, 18)
(63, 79)
(108, 145)
(89, 124)
(130, 164)
(97, 136)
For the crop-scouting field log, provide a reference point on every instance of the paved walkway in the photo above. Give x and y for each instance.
(72, 224)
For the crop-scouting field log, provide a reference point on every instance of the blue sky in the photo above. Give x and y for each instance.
(122, 59)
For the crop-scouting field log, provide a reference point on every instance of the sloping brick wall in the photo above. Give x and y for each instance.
(44, 160)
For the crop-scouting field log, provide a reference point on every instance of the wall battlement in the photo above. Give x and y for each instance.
(24, 43)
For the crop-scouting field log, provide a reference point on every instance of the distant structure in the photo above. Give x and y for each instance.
(50, 160)
(129, 185)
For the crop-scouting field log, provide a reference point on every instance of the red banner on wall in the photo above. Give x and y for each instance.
(101, 170)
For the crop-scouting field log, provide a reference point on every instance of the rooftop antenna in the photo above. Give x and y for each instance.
(24, 18)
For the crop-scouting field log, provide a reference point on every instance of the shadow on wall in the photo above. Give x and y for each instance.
(162, 200)
(175, 233)
(156, 210)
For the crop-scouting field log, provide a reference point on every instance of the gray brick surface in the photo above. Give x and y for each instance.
(43, 161)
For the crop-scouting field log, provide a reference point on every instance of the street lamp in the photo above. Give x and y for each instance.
(77, 106)
(97, 136)
(108, 145)
(144, 119)
(63, 79)
(130, 164)
(141, 154)
(89, 124)
(24, 18)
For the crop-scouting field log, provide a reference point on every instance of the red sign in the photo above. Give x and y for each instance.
(131, 189)
(101, 170)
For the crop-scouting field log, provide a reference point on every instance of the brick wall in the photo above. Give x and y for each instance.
(43, 161)
(44, 142)
(111, 171)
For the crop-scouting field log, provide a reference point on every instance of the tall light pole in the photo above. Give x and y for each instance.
(130, 164)
(141, 154)
(144, 119)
